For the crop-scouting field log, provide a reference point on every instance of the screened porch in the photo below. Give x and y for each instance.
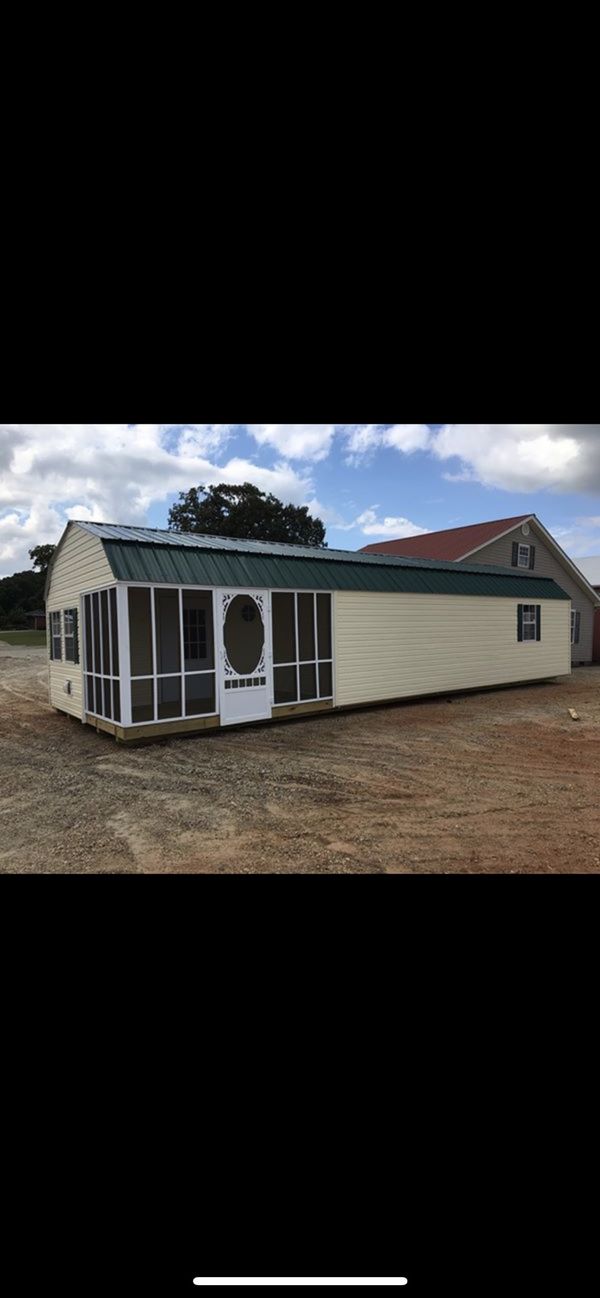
(156, 654)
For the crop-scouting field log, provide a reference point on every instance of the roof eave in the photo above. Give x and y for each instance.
(527, 518)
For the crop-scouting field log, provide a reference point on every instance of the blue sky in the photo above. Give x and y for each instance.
(367, 481)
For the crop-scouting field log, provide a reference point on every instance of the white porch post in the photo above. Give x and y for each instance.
(124, 653)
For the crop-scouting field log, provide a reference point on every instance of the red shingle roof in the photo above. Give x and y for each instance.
(451, 544)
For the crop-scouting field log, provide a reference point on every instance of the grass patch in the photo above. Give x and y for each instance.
(23, 637)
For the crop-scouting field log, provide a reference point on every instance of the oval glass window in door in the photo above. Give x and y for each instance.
(244, 635)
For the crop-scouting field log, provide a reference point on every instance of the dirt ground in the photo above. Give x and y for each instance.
(500, 782)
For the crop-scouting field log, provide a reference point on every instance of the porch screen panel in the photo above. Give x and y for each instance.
(199, 664)
(308, 681)
(142, 701)
(200, 695)
(140, 631)
(324, 627)
(306, 628)
(106, 637)
(284, 628)
(100, 655)
(286, 684)
(97, 639)
(115, 631)
(168, 635)
(302, 648)
(89, 638)
(169, 698)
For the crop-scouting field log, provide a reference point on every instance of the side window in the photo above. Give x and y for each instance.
(71, 635)
(529, 622)
(575, 626)
(55, 638)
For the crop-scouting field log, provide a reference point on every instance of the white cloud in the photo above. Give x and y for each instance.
(514, 457)
(112, 473)
(523, 457)
(397, 528)
(408, 437)
(580, 538)
(363, 439)
(203, 439)
(295, 441)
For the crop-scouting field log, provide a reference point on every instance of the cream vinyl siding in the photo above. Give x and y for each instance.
(500, 552)
(81, 564)
(391, 646)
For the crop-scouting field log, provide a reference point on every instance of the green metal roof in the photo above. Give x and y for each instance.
(235, 565)
(274, 549)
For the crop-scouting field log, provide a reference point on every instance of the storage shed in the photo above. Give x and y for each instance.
(153, 632)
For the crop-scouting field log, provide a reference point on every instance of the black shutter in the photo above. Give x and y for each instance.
(75, 635)
(577, 627)
(515, 558)
(538, 622)
(50, 640)
(532, 556)
(519, 621)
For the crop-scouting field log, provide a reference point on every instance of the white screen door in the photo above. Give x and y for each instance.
(245, 656)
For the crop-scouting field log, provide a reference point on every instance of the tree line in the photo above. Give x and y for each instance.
(23, 593)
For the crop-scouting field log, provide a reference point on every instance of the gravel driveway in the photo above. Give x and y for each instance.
(499, 782)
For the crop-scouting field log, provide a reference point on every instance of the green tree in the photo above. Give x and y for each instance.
(41, 556)
(20, 595)
(246, 513)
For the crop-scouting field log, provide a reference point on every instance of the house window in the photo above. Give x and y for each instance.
(194, 633)
(529, 622)
(55, 635)
(575, 626)
(302, 648)
(523, 556)
(71, 635)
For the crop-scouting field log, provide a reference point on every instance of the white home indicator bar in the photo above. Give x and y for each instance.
(304, 1280)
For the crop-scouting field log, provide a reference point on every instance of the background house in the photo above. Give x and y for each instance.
(522, 543)
(37, 619)
(591, 570)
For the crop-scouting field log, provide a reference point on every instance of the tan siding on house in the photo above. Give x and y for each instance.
(391, 646)
(500, 552)
(80, 565)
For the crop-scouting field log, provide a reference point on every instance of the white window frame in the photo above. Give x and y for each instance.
(530, 620)
(575, 613)
(70, 635)
(526, 548)
(56, 635)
